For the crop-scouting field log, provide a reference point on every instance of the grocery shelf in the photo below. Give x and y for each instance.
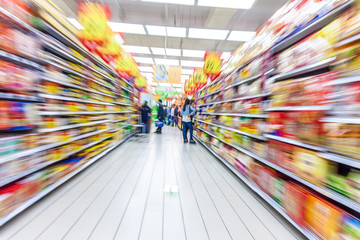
(312, 27)
(350, 120)
(117, 129)
(242, 81)
(296, 143)
(238, 99)
(119, 120)
(236, 114)
(20, 98)
(124, 104)
(209, 94)
(60, 52)
(234, 130)
(71, 99)
(45, 147)
(116, 112)
(348, 40)
(263, 195)
(341, 159)
(300, 108)
(46, 130)
(324, 191)
(305, 69)
(59, 113)
(343, 80)
(209, 133)
(19, 60)
(55, 185)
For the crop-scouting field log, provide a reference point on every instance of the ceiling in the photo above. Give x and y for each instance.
(185, 16)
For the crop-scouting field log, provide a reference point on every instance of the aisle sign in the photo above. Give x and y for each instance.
(161, 73)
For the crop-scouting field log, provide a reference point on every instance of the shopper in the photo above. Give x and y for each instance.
(168, 113)
(145, 115)
(172, 113)
(176, 115)
(186, 112)
(160, 115)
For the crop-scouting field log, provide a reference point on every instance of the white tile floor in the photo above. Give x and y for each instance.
(156, 188)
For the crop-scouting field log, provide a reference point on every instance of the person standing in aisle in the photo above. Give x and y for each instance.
(176, 115)
(145, 115)
(160, 115)
(172, 112)
(168, 113)
(186, 112)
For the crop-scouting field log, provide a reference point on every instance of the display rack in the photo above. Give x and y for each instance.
(93, 131)
(209, 100)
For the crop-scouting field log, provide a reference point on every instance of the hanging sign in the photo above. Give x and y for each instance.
(212, 63)
(174, 75)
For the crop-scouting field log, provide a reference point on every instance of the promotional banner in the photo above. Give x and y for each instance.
(212, 64)
(161, 73)
(174, 74)
(93, 16)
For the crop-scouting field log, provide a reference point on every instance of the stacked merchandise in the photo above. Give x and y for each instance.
(286, 118)
(61, 107)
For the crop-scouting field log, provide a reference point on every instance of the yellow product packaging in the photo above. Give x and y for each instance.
(310, 166)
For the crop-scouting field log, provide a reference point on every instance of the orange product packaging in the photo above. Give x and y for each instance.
(4, 115)
(323, 217)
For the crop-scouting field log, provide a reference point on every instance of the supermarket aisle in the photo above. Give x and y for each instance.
(156, 188)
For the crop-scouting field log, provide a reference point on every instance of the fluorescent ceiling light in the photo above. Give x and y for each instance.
(143, 60)
(164, 84)
(193, 53)
(225, 55)
(187, 71)
(75, 23)
(177, 85)
(154, 84)
(181, 2)
(136, 49)
(194, 64)
(184, 78)
(176, 31)
(171, 62)
(239, 4)
(207, 33)
(145, 69)
(158, 51)
(156, 30)
(126, 28)
(173, 52)
(166, 31)
(119, 39)
(241, 36)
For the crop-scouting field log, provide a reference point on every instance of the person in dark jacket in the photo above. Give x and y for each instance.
(160, 115)
(145, 115)
(176, 116)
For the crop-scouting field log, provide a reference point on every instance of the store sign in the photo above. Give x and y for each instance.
(140, 81)
(161, 73)
(174, 75)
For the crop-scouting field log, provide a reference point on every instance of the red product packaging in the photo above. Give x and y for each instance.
(294, 202)
(290, 124)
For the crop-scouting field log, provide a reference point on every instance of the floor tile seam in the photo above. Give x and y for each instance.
(121, 163)
(73, 183)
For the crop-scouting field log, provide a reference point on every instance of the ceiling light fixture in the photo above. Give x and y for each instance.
(173, 52)
(241, 36)
(145, 69)
(187, 71)
(156, 30)
(225, 55)
(164, 84)
(136, 49)
(144, 60)
(194, 64)
(158, 51)
(207, 33)
(181, 2)
(193, 53)
(126, 27)
(169, 62)
(75, 23)
(166, 31)
(237, 4)
(176, 31)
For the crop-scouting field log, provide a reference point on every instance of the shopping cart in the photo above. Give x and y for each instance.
(140, 130)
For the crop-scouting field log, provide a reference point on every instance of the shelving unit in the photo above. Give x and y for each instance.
(97, 86)
(212, 107)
